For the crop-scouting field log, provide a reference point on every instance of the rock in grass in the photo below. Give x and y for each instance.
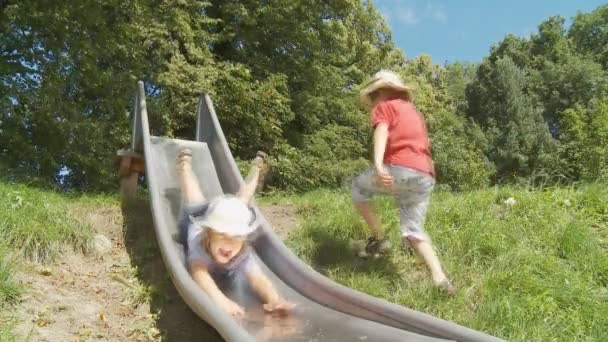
(101, 244)
(45, 271)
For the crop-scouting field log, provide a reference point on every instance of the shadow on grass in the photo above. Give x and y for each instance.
(331, 251)
(174, 319)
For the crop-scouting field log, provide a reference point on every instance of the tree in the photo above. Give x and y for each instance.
(520, 143)
(590, 36)
(585, 138)
(67, 76)
(458, 77)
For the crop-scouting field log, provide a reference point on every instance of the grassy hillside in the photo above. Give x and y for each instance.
(536, 270)
(36, 225)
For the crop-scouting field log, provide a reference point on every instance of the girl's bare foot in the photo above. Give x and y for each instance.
(184, 160)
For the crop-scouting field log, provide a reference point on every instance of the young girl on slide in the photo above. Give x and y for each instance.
(216, 232)
(402, 167)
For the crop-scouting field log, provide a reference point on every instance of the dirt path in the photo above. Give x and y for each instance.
(121, 295)
(283, 217)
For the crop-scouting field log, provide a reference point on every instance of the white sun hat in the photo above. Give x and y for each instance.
(384, 79)
(228, 215)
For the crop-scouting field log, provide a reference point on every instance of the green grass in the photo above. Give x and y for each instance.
(40, 223)
(9, 291)
(536, 271)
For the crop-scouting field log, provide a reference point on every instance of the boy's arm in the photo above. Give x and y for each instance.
(201, 276)
(247, 191)
(380, 139)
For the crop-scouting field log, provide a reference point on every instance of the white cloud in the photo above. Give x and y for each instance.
(406, 12)
(436, 12)
(406, 15)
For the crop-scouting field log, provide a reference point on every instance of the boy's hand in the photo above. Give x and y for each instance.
(233, 309)
(385, 178)
(280, 307)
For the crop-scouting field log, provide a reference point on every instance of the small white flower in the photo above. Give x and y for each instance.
(510, 201)
(567, 202)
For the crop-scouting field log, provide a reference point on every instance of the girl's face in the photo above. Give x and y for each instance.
(221, 247)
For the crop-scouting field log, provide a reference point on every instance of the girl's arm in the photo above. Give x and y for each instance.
(266, 291)
(201, 276)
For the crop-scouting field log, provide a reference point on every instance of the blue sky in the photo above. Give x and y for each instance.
(464, 30)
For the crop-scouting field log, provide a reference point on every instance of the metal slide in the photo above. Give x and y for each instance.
(326, 311)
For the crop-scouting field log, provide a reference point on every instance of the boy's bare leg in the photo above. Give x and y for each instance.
(190, 189)
(247, 191)
(425, 250)
(366, 211)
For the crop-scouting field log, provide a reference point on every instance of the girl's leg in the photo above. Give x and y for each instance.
(247, 191)
(190, 189)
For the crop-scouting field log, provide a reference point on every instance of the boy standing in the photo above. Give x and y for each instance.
(402, 167)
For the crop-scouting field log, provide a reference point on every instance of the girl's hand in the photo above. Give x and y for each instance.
(233, 309)
(280, 307)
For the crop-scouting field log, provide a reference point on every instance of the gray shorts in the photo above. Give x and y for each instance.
(411, 189)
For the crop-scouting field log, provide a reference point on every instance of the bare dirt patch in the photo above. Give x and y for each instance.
(283, 217)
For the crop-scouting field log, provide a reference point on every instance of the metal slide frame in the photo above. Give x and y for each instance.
(270, 249)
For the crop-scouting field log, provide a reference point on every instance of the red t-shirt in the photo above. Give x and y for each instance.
(408, 140)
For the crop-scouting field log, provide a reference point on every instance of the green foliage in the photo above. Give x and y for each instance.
(296, 170)
(458, 76)
(252, 113)
(459, 160)
(588, 33)
(585, 135)
(534, 271)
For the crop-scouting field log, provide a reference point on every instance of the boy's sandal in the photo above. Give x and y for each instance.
(447, 287)
(375, 246)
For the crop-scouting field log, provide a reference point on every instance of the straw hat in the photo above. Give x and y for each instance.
(384, 79)
(228, 215)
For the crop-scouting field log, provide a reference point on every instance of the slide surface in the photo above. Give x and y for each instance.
(326, 311)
